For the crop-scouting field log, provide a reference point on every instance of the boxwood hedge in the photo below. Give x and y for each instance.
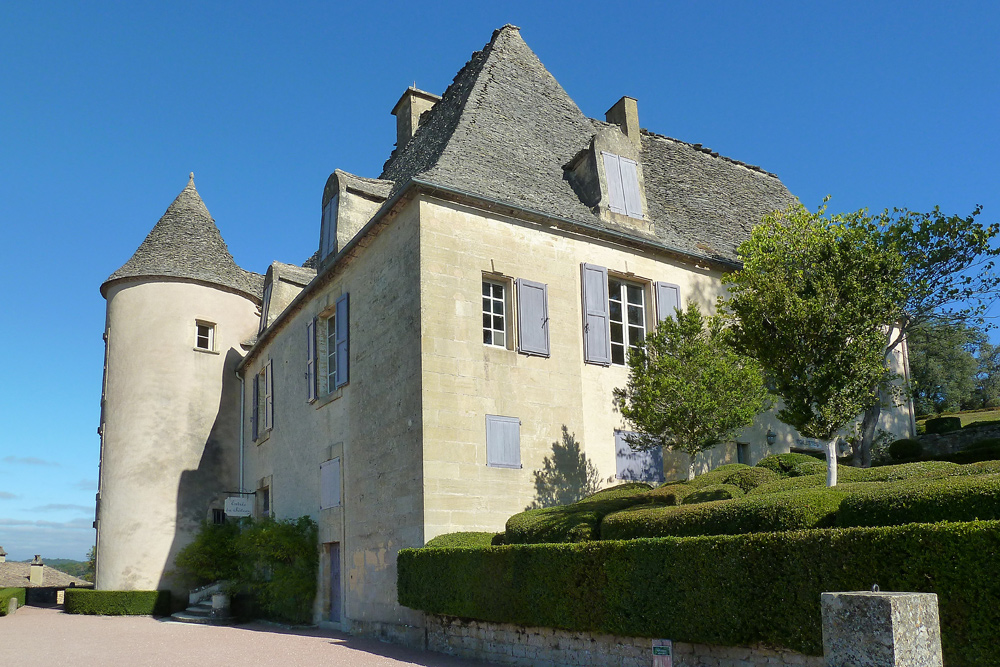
(726, 590)
(713, 492)
(5, 596)
(751, 478)
(959, 498)
(783, 463)
(572, 523)
(117, 603)
(463, 539)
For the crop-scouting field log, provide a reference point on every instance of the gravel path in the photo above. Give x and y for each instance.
(46, 637)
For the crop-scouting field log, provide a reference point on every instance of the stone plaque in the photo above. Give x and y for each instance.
(663, 653)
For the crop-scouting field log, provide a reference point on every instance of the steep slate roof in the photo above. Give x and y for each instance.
(504, 129)
(185, 243)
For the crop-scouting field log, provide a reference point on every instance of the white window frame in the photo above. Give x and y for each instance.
(265, 399)
(628, 338)
(210, 336)
(490, 301)
(330, 351)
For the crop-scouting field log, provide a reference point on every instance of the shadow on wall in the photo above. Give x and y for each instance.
(202, 488)
(565, 477)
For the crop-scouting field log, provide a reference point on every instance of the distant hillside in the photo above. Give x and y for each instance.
(76, 568)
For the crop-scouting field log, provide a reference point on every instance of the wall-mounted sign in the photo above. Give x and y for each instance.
(663, 653)
(239, 506)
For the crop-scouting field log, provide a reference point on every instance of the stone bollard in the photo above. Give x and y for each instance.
(11, 606)
(881, 629)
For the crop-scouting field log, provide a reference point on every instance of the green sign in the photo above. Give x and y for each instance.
(661, 650)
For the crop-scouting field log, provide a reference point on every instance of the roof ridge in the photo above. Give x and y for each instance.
(708, 151)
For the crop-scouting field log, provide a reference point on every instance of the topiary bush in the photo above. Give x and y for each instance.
(984, 443)
(789, 484)
(958, 498)
(751, 478)
(670, 493)
(905, 448)
(943, 424)
(716, 475)
(5, 596)
(116, 603)
(783, 463)
(463, 539)
(572, 523)
(902, 471)
(715, 492)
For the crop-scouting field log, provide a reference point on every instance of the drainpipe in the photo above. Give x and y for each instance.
(242, 410)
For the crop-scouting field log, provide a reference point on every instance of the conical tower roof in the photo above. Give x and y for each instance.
(185, 243)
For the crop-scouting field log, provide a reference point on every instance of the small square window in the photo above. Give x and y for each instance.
(204, 336)
(495, 331)
(218, 517)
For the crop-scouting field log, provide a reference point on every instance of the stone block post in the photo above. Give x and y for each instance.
(881, 629)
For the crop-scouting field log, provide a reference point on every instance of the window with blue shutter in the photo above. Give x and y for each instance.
(668, 298)
(503, 442)
(596, 344)
(328, 233)
(622, 175)
(329, 474)
(311, 358)
(254, 427)
(637, 465)
(342, 344)
(612, 171)
(265, 307)
(268, 396)
(532, 317)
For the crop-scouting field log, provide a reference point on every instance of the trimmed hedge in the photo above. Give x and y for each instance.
(5, 596)
(750, 478)
(905, 448)
(715, 492)
(958, 498)
(716, 475)
(942, 424)
(728, 590)
(117, 603)
(578, 522)
(670, 493)
(811, 508)
(783, 463)
(463, 539)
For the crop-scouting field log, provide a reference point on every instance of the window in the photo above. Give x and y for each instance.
(328, 233)
(334, 345)
(532, 318)
(596, 349)
(637, 465)
(668, 300)
(623, 185)
(262, 419)
(204, 336)
(743, 453)
(329, 477)
(264, 502)
(264, 307)
(218, 516)
(627, 317)
(494, 313)
(331, 352)
(311, 359)
(503, 442)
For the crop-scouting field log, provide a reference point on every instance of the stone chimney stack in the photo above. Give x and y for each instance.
(37, 571)
(3, 555)
(407, 111)
(625, 114)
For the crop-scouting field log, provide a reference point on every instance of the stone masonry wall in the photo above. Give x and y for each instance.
(506, 644)
(949, 443)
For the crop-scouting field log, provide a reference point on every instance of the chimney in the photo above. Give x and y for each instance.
(37, 571)
(3, 555)
(407, 112)
(625, 114)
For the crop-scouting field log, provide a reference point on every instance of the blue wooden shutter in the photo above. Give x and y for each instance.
(642, 465)
(532, 317)
(329, 473)
(630, 187)
(269, 396)
(311, 358)
(596, 343)
(342, 331)
(613, 174)
(668, 298)
(254, 411)
(503, 441)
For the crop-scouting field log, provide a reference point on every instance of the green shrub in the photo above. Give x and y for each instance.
(979, 468)
(960, 498)
(905, 448)
(499, 539)
(810, 508)
(943, 424)
(783, 463)
(212, 555)
(728, 590)
(751, 478)
(715, 492)
(5, 596)
(984, 443)
(902, 471)
(117, 603)
(813, 467)
(465, 539)
(671, 493)
(572, 523)
(716, 475)
(790, 484)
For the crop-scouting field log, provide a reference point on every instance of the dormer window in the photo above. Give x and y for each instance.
(623, 185)
(328, 237)
(265, 306)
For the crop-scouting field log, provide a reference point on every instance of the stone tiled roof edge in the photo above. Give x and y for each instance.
(254, 293)
(709, 151)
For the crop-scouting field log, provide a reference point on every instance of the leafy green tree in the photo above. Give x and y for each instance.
(565, 477)
(811, 304)
(90, 571)
(943, 368)
(988, 376)
(688, 389)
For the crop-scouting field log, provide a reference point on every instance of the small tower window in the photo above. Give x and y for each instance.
(204, 337)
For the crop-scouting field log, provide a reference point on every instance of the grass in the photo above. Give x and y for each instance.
(967, 417)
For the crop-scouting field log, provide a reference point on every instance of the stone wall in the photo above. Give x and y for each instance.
(949, 443)
(506, 644)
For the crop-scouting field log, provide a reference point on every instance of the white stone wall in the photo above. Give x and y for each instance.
(170, 439)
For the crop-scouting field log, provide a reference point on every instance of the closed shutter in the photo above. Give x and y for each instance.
(637, 465)
(503, 441)
(532, 317)
(612, 171)
(596, 344)
(311, 358)
(329, 477)
(668, 298)
(254, 411)
(269, 396)
(343, 330)
(630, 187)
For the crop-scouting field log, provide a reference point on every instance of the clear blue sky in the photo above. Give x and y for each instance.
(106, 107)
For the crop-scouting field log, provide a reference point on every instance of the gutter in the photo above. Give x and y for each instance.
(242, 427)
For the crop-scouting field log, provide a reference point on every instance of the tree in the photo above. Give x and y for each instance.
(988, 376)
(566, 477)
(688, 389)
(91, 565)
(947, 275)
(811, 304)
(943, 370)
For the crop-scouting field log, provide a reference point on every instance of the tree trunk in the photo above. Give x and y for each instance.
(863, 449)
(691, 469)
(831, 461)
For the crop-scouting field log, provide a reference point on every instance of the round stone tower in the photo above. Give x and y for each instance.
(177, 312)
